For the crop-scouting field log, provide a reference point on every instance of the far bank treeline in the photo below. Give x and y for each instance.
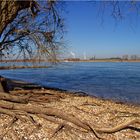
(92, 59)
(124, 58)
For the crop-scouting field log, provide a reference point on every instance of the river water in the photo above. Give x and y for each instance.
(118, 80)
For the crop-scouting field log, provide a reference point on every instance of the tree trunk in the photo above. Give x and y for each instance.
(3, 85)
(9, 10)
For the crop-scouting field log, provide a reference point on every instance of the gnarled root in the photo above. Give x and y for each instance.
(7, 107)
(16, 106)
(13, 98)
(119, 127)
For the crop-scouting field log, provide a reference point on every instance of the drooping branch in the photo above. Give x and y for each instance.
(36, 22)
(14, 6)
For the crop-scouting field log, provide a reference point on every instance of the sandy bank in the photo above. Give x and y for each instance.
(108, 120)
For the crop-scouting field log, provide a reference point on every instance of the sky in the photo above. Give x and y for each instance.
(95, 32)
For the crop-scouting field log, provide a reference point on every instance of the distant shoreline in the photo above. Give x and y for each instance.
(21, 67)
(102, 60)
(73, 60)
(66, 61)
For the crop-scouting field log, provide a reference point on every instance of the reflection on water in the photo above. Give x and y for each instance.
(119, 81)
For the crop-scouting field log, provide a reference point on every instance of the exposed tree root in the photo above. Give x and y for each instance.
(29, 97)
(12, 98)
(82, 110)
(41, 110)
(18, 106)
(7, 112)
(14, 119)
(119, 127)
(58, 129)
(95, 132)
(38, 96)
(130, 115)
(35, 92)
(91, 104)
(49, 118)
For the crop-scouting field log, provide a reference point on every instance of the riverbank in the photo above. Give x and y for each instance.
(21, 67)
(73, 116)
(101, 60)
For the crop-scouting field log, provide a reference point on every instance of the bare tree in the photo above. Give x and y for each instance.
(30, 29)
(34, 29)
(134, 57)
(125, 57)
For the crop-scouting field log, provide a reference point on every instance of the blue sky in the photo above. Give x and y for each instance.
(88, 34)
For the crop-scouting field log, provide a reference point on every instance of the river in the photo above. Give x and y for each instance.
(109, 80)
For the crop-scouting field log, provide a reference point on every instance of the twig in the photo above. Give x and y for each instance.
(14, 119)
